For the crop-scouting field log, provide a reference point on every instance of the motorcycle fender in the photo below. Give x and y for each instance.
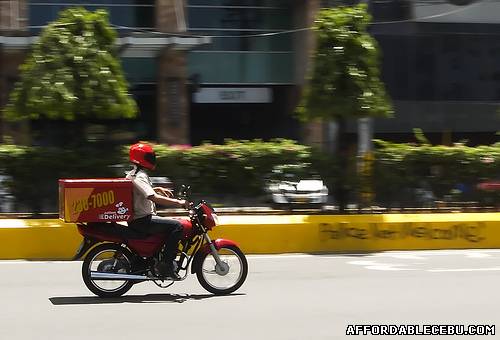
(85, 246)
(205, 249)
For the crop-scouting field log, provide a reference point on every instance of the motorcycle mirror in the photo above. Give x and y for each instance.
(184, 191)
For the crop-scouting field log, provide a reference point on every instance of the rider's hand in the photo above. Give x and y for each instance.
(183, 203)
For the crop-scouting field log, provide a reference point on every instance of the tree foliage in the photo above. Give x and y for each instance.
(73, 72)
(345, 79)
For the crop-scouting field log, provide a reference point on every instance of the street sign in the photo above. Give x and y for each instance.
(230, 95)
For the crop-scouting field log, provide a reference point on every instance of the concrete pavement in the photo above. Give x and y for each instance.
(285, 297)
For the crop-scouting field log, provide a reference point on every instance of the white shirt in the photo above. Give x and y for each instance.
(143, 188)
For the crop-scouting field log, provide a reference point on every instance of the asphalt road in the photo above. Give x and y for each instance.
(285, 297)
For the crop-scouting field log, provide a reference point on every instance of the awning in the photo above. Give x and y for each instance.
(147, 46)
(143, 45)
(16, 43)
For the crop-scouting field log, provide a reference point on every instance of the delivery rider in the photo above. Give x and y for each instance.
(146, 197)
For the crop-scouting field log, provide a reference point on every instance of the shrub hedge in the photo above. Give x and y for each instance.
(450, 173)
(33, 172)
(236, 167)
(240, 168)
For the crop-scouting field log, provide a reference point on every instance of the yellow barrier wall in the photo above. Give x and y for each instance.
(259, 234)
(320, 233)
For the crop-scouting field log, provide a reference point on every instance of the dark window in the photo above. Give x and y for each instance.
(251, 3)
(239, 18)
(441, 66)
(235, 24)
(126, 13)
(144, 125)
(390, 10)
(425, 68)
(395, 65)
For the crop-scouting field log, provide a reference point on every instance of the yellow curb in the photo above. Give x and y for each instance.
(38, 239)
(263, 234)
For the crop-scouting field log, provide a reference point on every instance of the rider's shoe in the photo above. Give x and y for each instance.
(171, 274)
(167, 270)
(172, 271)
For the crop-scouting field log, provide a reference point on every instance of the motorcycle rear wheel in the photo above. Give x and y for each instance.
(219, 283)
(107, 258)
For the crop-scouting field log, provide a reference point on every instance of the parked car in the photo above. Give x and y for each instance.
(297, 185)
(6, 199)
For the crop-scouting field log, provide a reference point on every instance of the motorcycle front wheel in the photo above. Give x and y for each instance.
(107, 258)
(225, 279)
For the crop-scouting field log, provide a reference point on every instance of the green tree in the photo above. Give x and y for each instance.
(345, 78)
(73, 73)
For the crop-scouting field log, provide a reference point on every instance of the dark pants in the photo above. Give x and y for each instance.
(153, 224)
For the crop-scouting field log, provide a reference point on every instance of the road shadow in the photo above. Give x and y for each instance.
(149, 298)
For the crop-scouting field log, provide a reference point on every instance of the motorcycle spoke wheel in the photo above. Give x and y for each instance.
(223, 279)
(107, 258)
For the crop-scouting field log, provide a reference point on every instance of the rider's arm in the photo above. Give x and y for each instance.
(141, 183)
(164, 192)
(162, 200)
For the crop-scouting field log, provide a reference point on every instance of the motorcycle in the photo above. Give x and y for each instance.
(118, 257)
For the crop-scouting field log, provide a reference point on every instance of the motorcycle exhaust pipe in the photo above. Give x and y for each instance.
(118, 276)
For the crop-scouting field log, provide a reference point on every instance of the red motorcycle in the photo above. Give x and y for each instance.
(119, 257)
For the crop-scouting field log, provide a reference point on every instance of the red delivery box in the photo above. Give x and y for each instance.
(95, 200)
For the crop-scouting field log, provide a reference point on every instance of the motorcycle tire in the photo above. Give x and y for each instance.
(125, 266)
(234, 253)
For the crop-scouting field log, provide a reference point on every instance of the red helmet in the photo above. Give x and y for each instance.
(143, 154)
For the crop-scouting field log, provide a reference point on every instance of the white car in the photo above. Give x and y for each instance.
(296, 185)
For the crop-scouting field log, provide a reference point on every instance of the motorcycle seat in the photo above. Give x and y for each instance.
(115, 230)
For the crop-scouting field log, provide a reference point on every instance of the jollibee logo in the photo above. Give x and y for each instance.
(119, 214)
(121, 209)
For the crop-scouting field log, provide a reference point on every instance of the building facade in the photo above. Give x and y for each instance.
(206, 70)
(441, 67)
(246, 84)
(250, 76)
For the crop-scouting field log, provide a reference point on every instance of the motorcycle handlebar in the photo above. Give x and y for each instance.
(184, 194)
